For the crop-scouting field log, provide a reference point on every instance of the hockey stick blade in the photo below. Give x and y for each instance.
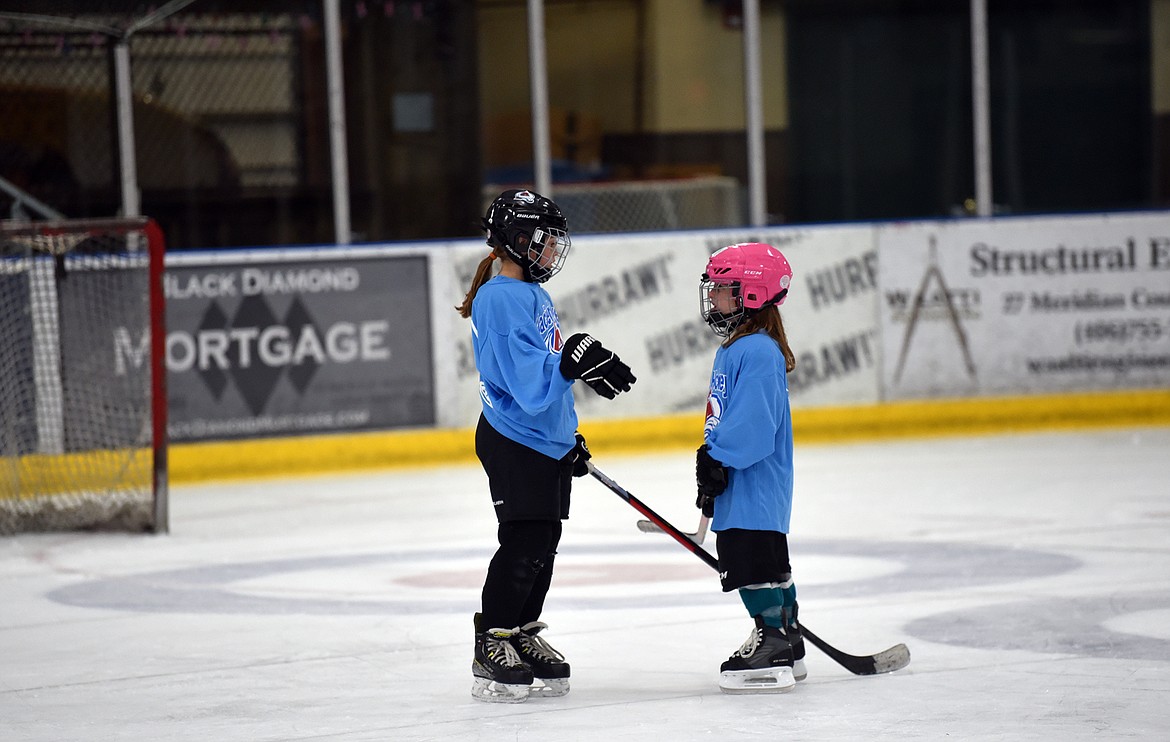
(889, 660)
(698, 536)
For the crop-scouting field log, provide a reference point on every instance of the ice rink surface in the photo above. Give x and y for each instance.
(1028, 574)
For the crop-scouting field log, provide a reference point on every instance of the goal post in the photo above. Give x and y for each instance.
(83, 404)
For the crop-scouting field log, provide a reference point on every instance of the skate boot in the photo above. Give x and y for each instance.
(796, 639)
(762, 665)
(547, 664)
(498, 673)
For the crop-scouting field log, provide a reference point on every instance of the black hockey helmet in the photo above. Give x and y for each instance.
(533, 231)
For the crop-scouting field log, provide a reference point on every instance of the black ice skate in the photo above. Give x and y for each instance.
(762, 665)
(796, 639)
(547, 664)
(499, 675)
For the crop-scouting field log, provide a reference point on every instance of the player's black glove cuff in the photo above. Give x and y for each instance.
(578, 456)
(706, 503)
(584, 358)
(711, 478)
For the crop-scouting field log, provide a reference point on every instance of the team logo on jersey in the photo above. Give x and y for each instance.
(714, 413)
(483, 393)
(549, 326)
(719, 384)
(715, 401)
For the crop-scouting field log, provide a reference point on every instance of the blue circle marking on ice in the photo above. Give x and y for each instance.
(1081, 626)
(654, 575)
(317, 585)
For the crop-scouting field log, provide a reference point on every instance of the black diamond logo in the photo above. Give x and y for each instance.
(297, 319)
(257, 381)
(213, 376)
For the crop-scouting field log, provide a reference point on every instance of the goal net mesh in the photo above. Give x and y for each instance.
(77, 448)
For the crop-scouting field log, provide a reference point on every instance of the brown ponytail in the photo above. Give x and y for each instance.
(768, 320)
(482, 274)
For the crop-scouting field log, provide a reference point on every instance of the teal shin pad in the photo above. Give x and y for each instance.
(789, 597)
(767, 602)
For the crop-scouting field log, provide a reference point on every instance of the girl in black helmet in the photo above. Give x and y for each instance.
(527, 437)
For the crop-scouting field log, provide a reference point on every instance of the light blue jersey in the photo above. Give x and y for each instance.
(516, 337)
(749, 430)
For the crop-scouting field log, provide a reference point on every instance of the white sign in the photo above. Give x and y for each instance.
(638, 294)
(1017, 306)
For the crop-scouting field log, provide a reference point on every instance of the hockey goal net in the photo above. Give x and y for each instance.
(82, 381)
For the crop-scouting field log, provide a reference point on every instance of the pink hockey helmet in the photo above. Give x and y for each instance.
(759, 276)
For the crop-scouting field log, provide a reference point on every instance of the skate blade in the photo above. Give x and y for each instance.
(768, 680)
(489, 691)
(798, 670)
(549, 688)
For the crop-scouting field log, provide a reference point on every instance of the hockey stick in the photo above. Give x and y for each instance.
(654, 517)
(889, 660)
(700, 533)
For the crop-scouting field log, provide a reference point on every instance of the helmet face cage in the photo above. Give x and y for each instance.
(722, 322)
(532, 230)
(546, 252)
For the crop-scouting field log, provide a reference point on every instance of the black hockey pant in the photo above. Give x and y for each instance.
(520, 573)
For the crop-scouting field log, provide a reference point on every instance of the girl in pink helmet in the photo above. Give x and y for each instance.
(744, 467)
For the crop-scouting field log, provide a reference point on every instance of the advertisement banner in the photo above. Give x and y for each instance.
(265, 345)
(1018, 306)
(638, 294)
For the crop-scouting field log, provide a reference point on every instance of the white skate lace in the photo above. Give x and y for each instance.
(749, 647)
(534, 644)
(500, 650)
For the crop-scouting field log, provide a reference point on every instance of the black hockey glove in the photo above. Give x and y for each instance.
(584, 358)
(706, 503)
(711, 478)
(578, 456)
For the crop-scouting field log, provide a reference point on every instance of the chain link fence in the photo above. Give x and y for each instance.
(230, 112)
(228, 117)
(647, 206)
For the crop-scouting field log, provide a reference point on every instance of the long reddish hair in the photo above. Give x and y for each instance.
(768, 320)
(483, 274)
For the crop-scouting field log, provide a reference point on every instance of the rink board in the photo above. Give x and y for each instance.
(901, 329)
(428, 447)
